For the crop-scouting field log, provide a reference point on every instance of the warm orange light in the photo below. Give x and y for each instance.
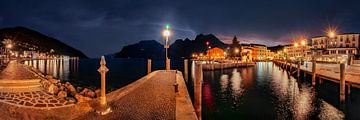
(303, 42)
(296, 45)
(166, 33)
(9, 46)
(237, 50)
(331, 32)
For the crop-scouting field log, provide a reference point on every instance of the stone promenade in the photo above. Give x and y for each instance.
(152, 97)
(20, 87)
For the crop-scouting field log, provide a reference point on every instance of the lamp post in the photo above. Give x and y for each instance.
(167, 34)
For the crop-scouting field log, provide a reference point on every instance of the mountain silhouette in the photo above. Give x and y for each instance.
(30, 40)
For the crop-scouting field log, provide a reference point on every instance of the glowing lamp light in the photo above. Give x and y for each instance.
(303, 42)
(331, 34)
(237, 50)
(207, 43)
(296, 45)
(9, 46)
(166, 33)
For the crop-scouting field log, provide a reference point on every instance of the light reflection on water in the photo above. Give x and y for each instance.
(264, 92)
(84, 72)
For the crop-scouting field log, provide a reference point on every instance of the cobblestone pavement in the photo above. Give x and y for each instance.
(35, 99)
(154, 99)
(15, 89)
(16, 71)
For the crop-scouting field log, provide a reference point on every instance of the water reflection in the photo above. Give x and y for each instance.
(265, 92)
(59, 68)
(236, 84)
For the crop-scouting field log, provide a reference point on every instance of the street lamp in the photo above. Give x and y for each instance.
(166, 34)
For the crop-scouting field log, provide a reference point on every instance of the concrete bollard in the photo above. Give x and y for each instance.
(198, 89)
(103, 70)
(186, 69)
(149, 66)
(342, 82)
(168, 64)
(313, 73)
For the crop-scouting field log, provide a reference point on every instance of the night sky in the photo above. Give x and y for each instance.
(99, 27)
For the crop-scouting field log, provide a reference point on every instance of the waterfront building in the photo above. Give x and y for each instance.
(297, 52)
(216, 53)
(259, 52)
(335, 48)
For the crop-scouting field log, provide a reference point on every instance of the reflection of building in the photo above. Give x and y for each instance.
(216, 53)
(298, 52)
(337, 48)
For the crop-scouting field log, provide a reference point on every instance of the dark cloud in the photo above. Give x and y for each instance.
(98, 27)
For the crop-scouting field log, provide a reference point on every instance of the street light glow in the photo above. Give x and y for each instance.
(166, 33)
(296, 45)
(9, 46)
(303, 42)
(237, 50)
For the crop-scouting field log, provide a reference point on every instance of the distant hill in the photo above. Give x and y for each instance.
(179, 49)
(143, 49)
(27, 39)
(185, 48)
(277, 48)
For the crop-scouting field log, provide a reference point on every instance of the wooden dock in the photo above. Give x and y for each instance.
(338, 73)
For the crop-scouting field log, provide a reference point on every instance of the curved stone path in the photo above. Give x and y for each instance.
(35, 99)
(15, 89)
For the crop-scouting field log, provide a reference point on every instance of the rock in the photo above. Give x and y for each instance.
(54, 81)
(98, 92)
(84, 91)
(71, 100)
(70, 88)
(78, 89)
(62, 94)
(62, 88)
(81, 98)
(49, 77)
(53, 89)
(90, 94)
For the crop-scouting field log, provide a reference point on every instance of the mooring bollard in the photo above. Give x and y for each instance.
(313, 73)
(167, 64)
(186, 69)
(103, 70)
(176, 85)
(197, 89)
(149, 66)
(342, 82)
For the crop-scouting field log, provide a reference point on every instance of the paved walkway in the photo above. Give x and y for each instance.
(20, 87)
(16, 71)
(34, 99)
(149, 98)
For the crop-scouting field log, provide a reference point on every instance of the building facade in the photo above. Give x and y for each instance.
(296, 52)
(337, 48)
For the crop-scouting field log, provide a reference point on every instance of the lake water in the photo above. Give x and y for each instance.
(266, 92)
(84, 72)
(260, 92)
